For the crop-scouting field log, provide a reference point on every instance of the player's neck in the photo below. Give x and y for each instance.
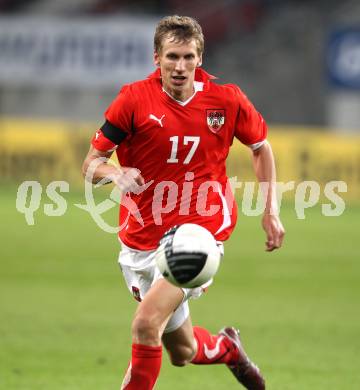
(180, 95)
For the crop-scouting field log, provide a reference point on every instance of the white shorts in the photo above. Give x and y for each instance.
(140, 273)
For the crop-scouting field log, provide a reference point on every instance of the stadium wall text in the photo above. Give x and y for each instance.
(82, 52)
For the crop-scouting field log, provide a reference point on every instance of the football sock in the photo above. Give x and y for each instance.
(144, 368)
(213, 349)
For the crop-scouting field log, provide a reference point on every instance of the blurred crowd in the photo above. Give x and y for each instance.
(274, 49)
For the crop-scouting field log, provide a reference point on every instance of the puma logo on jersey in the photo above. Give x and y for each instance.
(211, 353)
(151, 116)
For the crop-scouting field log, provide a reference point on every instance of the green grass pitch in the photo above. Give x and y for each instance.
(65, 312)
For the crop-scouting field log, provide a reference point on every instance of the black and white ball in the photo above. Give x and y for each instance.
(188, 255)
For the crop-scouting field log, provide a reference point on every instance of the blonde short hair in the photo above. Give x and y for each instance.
(181, 28)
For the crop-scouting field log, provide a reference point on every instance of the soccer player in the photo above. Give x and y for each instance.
(172, 133)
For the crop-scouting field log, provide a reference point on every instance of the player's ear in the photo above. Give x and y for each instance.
(200, 61)
(156, 59)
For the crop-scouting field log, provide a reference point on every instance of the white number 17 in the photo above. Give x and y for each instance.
(174, 148)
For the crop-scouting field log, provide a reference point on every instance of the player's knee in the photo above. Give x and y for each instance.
(182, 356)
(145, 330)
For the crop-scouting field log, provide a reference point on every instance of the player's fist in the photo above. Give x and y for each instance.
(128, 180)
(274, 231)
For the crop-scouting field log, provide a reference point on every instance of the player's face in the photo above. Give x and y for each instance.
(178, 61)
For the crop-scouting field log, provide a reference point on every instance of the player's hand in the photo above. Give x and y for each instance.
(274, 231)
(128, 180)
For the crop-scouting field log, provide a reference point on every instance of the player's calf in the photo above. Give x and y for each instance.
(181, 355)
(180, 344)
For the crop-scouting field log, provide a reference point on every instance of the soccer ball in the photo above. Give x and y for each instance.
(188, 255)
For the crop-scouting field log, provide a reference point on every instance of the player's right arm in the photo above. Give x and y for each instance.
(96, 168)
(103, 170)
(117, 127)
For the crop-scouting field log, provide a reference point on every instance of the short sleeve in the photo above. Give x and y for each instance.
(250, 126)
(121, 111)
(118, 122)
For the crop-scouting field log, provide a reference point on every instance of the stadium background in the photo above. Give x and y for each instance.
(64, 311)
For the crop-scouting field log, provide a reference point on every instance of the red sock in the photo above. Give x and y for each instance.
(143, 369)
(213, 349)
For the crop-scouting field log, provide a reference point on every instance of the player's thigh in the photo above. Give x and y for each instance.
(158, 305)
(180, 343)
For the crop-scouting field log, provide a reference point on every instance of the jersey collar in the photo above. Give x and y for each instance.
(198, 86)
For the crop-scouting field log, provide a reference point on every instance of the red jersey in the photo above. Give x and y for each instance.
(180, 149)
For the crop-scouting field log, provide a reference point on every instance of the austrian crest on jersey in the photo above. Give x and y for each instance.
(215, 118)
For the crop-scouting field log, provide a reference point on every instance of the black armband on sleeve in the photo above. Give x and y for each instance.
(114, 134)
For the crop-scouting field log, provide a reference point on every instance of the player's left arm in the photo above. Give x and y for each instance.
(264, 165)
(251, 130)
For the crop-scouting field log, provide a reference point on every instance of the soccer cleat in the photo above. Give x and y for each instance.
(245, 371)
